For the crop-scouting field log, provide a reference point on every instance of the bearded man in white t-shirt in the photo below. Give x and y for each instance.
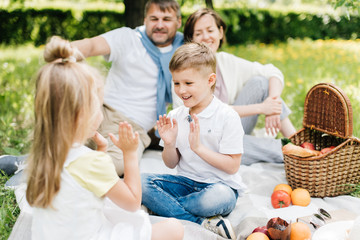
(138, 85)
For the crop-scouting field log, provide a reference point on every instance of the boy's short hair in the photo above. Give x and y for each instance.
(193, 55)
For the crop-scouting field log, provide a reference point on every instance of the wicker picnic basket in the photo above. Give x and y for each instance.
(327, 122)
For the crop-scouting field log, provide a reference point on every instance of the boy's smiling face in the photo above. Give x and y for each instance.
(193, 86)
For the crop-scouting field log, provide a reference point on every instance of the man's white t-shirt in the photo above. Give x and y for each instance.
(221, 131)
(130, 86)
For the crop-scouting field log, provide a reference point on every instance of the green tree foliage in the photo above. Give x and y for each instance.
(19, 26)
(350, 4)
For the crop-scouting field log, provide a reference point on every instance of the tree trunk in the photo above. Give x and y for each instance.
(134, 12)
(209, 4)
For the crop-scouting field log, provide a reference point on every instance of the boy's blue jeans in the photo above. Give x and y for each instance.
(182, 198)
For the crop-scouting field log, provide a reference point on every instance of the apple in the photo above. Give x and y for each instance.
(326, 150)
(262, 229)
(308, 145)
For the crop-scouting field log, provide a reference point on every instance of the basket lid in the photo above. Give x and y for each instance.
(328, 109)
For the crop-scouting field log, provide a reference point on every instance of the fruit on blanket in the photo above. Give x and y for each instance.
(326, 150)
(257, 236)
(300, 231)
(291, 149)
(262, 229)
(277, 228)
(280, 199)
(300, 197)
(307, 145)
(283, 186)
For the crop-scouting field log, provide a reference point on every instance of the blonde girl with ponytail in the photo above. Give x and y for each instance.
(74, 191)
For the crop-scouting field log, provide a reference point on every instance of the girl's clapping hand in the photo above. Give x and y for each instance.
(100, 141)
(128, 140)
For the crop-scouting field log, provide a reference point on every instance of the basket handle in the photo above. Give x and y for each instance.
(345, 101)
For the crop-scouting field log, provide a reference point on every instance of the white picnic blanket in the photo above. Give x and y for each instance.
(252, 210)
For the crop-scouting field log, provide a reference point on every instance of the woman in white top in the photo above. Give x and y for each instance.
(250, 87)
(75, 192)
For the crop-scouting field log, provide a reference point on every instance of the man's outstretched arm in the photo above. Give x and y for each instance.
(96, 46)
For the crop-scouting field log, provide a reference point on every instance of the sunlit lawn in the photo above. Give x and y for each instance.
(304, 63)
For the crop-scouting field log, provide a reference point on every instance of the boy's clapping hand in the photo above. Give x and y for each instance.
(194, 135)
(167, 130)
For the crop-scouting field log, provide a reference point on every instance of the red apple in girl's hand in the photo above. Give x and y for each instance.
(262, 229)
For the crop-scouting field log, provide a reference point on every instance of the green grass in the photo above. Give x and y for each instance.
(9, 210)
(304, 64)
(18, 67)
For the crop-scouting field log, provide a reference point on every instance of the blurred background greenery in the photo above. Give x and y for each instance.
(310, 41)
(303, 62)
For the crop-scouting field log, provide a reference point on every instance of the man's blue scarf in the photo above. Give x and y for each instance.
(162, 61)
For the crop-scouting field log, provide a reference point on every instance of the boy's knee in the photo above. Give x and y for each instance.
(220, 199)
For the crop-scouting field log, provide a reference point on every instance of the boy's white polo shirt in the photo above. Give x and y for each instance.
(220, 131)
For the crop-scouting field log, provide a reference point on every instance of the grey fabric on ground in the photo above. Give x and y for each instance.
(261, 150)
(10, 164)
(16, 179)
(253, 209)
(22, 227)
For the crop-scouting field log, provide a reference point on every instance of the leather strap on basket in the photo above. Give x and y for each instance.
(328, 109)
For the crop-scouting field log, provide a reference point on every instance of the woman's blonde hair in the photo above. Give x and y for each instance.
(66, 103)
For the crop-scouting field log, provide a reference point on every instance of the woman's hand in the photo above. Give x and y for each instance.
(128, 140)
(271, 106)
(272, 124)
(272, 110)
(100, 141)
(167, 130)
(194, 135)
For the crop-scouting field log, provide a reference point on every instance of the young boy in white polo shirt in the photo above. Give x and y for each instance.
(204, 140)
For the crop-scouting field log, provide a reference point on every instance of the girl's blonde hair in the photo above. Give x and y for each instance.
(66, 103)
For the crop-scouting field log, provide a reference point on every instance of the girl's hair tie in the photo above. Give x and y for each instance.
(71, 59)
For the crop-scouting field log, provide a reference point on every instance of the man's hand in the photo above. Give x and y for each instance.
(167, 131)
(128, 140)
